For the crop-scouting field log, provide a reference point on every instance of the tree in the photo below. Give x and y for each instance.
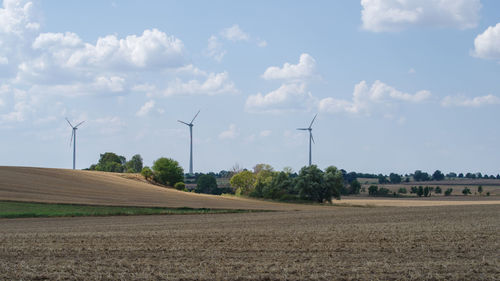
(167, 171)
(207, 184)
(427, 191)
(466, 191)
(438, 175)
(395, 178)
(147, 173)
(354, 187)
(110, 162)
(460, 176)
(414, 190)
(242, 182)
(373, 190)
(420, 191)
(438, 190)
(333, 183)
(382, 179)
(262, 167)
(451, 175)
(280, 185)
(135, 164)
(314, 185)
(402, 190)
(448, 192)
(421, 176)
(480, 189)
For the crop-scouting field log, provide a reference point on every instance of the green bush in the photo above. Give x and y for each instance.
(402, 190)
(438, 190)
(147, 173)
(448, 192)
(466, 191)
(180, 186)
(207, 184)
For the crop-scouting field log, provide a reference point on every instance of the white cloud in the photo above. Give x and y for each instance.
(3, 60)
(151, 49)
(215, 83)
(214, 48)
(288, 97)
(17, 17)
(265, 133)
(463, 101)
(109, 125)
(412, 71)
(487, 44)
(394, 15)
(365, 99)
(144, 110)
(234, 33)
(305, 68)
(230, 133)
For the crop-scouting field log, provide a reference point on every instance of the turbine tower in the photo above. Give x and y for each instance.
(311, 139)
(190, 124)
(73, 138)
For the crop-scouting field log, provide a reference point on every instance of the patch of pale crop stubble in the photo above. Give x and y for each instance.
(343, 243)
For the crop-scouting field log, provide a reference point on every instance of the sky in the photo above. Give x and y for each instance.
(397, 85)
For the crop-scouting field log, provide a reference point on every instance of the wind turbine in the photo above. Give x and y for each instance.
(190, 124)
(310, 137)
(73, 138)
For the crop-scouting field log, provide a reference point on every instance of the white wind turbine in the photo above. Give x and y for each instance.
(311, 139)
(190, 124)
(73, 138)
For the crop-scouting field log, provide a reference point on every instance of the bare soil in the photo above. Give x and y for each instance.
(338, 243)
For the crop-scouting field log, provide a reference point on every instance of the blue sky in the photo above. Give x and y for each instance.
(397, 85)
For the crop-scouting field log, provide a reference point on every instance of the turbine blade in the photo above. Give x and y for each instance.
(303, 129)
(72, 136)
(69, 122)
(79, 124)
(183, 122)
(195, 117)
(313, 120)
(312, 138)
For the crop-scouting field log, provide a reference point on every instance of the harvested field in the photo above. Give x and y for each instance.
(100, 188)
(344, 243)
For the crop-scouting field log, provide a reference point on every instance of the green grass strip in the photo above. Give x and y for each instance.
(14, 209)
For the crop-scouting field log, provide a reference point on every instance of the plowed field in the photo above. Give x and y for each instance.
(339, 243)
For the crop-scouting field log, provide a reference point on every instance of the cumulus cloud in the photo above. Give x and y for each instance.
(365, 98)
(230, 133)
(305, 68)
(153, 48)
(288, 97)
(18, 17)
(394, 15)
(214, 84)
(487, 44)
(235, 33)
(215, 48)
(463, 101)
(146, 108)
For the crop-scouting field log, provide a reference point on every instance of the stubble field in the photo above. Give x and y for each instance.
(337, 243)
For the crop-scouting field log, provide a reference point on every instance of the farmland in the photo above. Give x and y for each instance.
(357, 238)
(453, 242)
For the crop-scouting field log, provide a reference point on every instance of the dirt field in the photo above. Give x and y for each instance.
(343, 243)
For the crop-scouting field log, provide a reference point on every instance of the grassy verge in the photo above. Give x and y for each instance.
(13, 209)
